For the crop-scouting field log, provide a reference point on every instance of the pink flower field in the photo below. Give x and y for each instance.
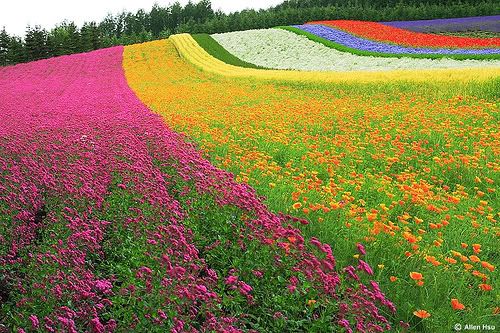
(112, 222)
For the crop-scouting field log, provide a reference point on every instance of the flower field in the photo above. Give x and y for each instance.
(357, 44)
(155, 188)
(385, 33)
(281, 49)
(480, 23)
(195, 54)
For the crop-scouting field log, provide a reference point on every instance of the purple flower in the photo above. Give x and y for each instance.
(346, 39)
(483, 23)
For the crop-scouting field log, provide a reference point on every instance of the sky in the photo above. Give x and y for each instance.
(15, 15)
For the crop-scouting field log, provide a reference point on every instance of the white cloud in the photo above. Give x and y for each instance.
(17, 14)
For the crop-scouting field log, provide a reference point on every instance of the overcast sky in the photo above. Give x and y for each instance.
(15, 15)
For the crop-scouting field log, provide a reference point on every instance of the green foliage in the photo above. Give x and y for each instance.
(216, 50)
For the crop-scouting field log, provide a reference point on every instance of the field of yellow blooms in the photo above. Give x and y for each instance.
(408, 168)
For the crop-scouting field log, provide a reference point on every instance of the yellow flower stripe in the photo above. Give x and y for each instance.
(189, 49)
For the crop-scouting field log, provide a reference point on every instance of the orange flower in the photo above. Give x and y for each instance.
(416, 276)
(456, 305)
(474, 258)
(393, 278)
(488, 266)
(451, 260)
(420, 283)
(409, 237)
(422, 314)
(297, 205)
(311, 302)
(485, 287)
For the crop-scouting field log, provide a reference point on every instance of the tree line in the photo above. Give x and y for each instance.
(160, 22)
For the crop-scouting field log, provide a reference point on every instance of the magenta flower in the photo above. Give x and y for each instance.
(232, 279)
(34, 321)
(365, 267)
(361, 249)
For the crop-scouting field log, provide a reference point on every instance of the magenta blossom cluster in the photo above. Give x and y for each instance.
(83, 160)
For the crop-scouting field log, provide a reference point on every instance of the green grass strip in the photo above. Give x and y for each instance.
(218, 51)
(344, 48)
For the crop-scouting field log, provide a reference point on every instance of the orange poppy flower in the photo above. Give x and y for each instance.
(474, 258)
(297, 205)
(488, 266)
(393, 279)
(311, 302)
(451, 260)
(456, 305)
(422, 314)
(485, 287)
(416, 276)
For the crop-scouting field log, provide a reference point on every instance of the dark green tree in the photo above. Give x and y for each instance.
(16, 51)
(4, 46)
(36, 43)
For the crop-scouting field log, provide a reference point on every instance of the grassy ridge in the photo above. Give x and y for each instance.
(217, 51)
(344, 48)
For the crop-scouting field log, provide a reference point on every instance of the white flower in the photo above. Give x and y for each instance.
(281, 49)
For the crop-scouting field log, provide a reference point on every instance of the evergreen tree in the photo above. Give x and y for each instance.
(36, 43)
(16, 51)
(4, 46)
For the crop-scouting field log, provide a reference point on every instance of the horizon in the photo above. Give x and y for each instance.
(17, 16)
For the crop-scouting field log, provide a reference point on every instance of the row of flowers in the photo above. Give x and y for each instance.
(358, 43)
(384, 33)
(406, 168)
(482, 23)
(280, 49)
(113, 222)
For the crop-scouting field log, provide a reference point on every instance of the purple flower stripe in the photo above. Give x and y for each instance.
(358, 43)
(483, 23)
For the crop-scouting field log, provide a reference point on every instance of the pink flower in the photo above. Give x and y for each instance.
(361, 248)
(232, 279)
(245, 288)
(34, 321)
(365, 267)
(103, 286)
(97, 327)
(257, 273)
